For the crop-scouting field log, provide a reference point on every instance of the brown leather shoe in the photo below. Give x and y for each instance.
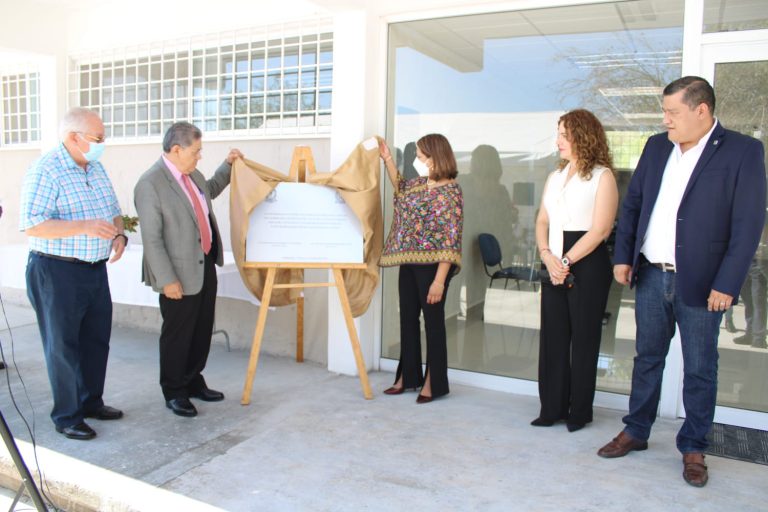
(694, 469)
(621, 445)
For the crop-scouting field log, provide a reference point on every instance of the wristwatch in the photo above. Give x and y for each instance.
(566, 261)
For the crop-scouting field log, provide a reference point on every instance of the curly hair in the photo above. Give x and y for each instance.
(588, 142)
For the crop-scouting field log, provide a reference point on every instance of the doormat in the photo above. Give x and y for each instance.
(740, 443)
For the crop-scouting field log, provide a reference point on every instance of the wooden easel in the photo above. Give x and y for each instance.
(302, 163)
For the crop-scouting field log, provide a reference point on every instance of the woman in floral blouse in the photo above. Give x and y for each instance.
(425, 241)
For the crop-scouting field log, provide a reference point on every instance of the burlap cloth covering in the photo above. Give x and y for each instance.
(357, 180)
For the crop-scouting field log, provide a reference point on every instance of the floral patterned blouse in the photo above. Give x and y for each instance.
(427, 224)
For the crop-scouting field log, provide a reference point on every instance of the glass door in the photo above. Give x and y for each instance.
(737, 66)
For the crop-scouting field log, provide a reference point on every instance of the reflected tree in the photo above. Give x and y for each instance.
(622, 84)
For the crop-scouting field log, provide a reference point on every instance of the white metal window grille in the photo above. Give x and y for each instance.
(267, 81)
(20, 108)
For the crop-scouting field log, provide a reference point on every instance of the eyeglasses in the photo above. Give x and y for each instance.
(92, 138)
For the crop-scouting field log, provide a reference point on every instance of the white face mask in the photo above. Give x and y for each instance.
(420, 167)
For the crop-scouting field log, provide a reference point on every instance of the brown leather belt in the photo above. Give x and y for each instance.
(67, 258)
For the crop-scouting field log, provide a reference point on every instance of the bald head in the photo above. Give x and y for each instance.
(77, 120)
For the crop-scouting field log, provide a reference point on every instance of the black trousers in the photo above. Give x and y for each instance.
(185, 337)
(413, 286)
(571, 326)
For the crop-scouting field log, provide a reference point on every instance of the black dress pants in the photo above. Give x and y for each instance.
(413, 286)
(185, 337)
(571, 327)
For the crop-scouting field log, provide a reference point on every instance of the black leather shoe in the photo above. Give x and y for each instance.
(105, 413)
(208, 395)
(82, 431)
(181, 407)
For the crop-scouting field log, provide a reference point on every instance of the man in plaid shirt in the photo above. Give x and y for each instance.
(71, 215)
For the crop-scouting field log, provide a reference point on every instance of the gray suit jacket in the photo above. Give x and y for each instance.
(169, 230)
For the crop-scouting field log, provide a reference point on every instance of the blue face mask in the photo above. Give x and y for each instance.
(95, 150)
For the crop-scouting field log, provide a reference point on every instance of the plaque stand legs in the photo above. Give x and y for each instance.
(269, 286)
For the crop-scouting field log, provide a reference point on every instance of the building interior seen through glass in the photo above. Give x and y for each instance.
(496, 85)
(732, 15)
(741, 89)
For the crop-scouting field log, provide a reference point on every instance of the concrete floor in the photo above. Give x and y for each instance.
(309, 441)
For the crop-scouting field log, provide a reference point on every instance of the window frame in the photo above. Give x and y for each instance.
(27, 112)
(219, 82)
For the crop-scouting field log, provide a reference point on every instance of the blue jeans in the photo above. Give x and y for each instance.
(657, 309)
(74, 314)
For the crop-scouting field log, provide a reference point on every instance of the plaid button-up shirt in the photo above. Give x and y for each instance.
(55, 187)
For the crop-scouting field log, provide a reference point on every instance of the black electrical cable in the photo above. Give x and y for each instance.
(30, 430)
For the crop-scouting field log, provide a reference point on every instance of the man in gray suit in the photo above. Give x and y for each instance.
(181, 246)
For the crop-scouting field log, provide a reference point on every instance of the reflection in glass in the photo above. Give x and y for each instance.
(291, 57)
(308, 101)
(241, 62)
(324, 100)
(730, 15)
(496, 85)
(273, 81)
(308, 79)
(208, 75)
(225, 106)
(741, 89)
(308, 54)
(241, 105)
(273, 103)
(257, 104)
(257, 83)
(256, 122)
(241, 84)
(290, 102)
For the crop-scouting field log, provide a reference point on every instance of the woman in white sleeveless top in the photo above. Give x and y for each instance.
(576, 216)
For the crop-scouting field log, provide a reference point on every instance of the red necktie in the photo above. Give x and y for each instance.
(202, 222)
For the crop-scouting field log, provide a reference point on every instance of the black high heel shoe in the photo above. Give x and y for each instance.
(541, 422)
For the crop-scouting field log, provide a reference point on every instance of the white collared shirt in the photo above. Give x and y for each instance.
(659, 243)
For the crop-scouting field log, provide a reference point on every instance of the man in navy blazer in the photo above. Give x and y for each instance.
(688, 229)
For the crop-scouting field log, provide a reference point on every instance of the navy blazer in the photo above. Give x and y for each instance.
(719, 221)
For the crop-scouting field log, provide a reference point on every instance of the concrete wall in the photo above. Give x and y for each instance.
(238, 319)
(13, 166)
(125, 163)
